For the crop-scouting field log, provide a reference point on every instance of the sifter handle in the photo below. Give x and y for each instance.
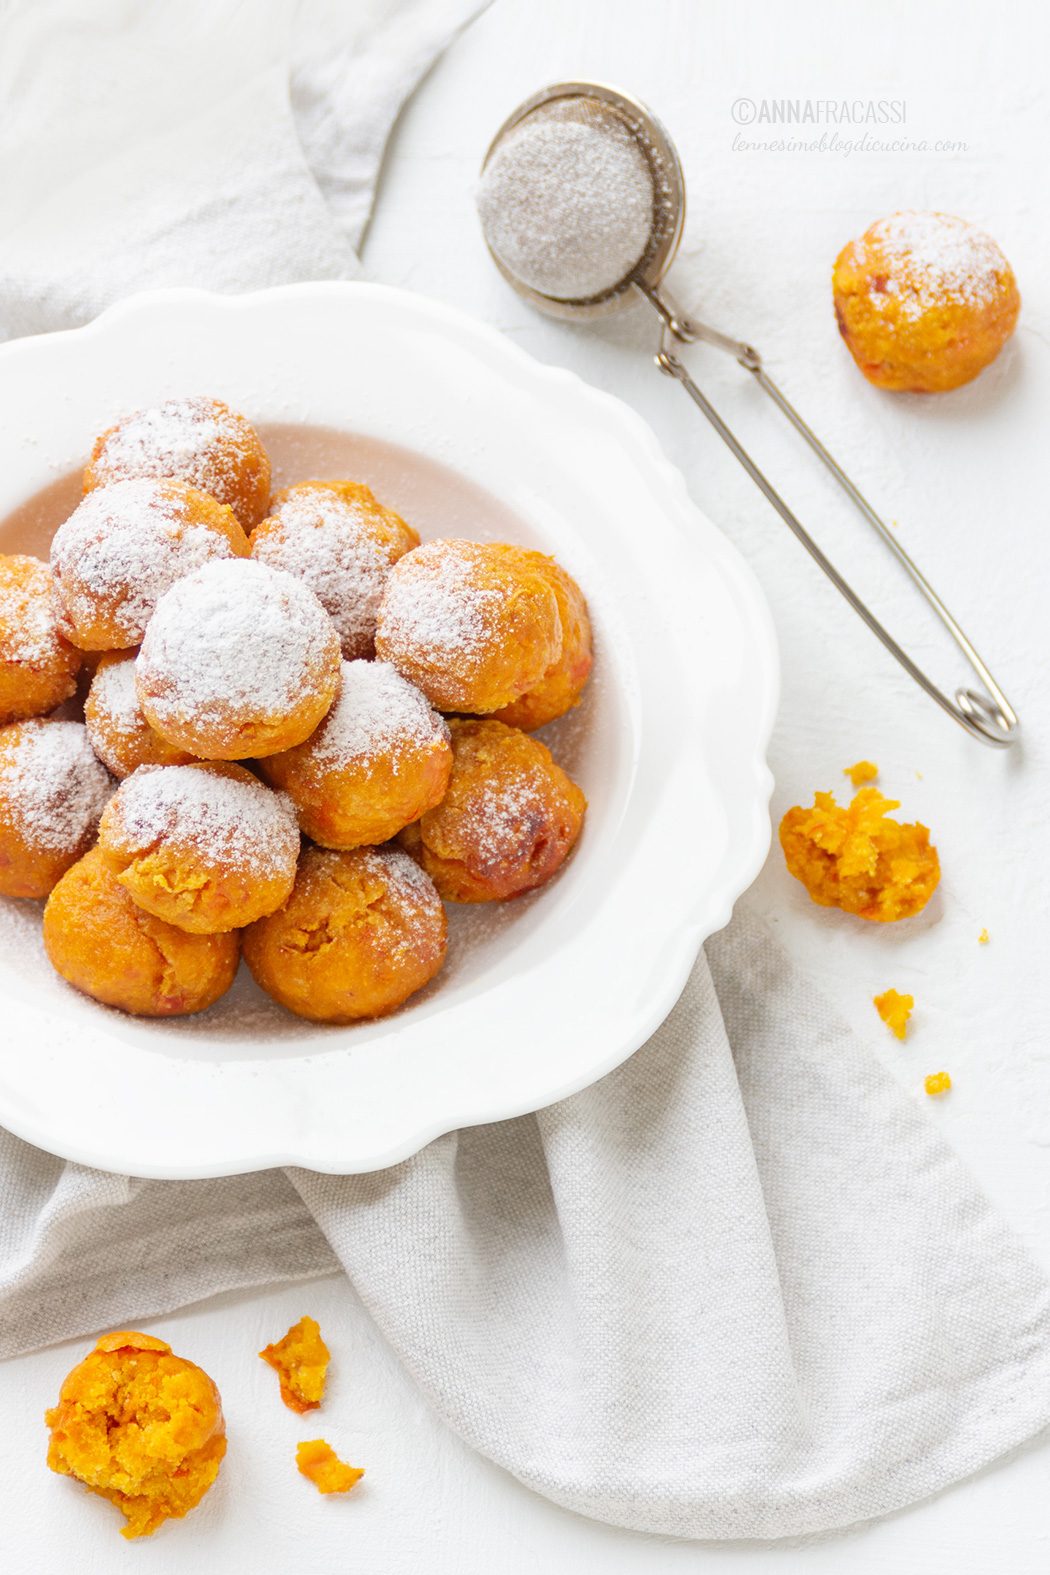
(985, 714)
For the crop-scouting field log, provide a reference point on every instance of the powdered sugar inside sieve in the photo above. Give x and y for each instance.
(566, 200)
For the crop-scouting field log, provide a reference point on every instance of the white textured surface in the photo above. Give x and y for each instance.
(963, 477)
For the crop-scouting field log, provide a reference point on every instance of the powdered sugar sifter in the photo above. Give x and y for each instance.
(538, 237)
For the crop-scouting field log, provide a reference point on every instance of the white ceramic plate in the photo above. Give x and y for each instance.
(467, 435)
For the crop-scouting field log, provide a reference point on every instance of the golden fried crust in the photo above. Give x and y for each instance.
(228, 719)
(38, 668)
(230, 738)
(924, 302)
(28, 871)
(97, 607)
(366, 801)
(387, 526)
(104, 945)
(202, 882)
(355, 784)
(859, 859)
(362, 931)
(225, 458)
(342, 542)
(399, 534)
(48, 819)
(141, 1427)
(123, 740)
(508, 822)
(561, 686)
(474, 625)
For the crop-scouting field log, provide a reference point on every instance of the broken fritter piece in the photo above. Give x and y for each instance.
(319, 1462)
(300, 1361)
(894, 1009)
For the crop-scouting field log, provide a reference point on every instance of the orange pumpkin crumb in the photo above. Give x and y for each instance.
(140, 1426)
(937, 1083)
(319, 1462)
(856, 858)
(862, 771)
(983, 938)
(300, 1361)
(894, 1009)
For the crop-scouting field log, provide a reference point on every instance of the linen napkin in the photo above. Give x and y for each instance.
(740, 1287)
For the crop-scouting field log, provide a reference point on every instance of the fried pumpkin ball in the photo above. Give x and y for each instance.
(106, 946)
(362, 931)
(140, 1426)
(380, 758)
(508, 822)
(52, 791)
(123, 546)
(561, 686)
(120, 735)
(38, 668)
(239, 660)
(924, 301)
(858, 858)
(207, 846)
(199, 441)
(475, 625)
(341, 542)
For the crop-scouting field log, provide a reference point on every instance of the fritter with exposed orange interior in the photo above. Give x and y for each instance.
(140, 1426)
(52, 791)
(475, 625)
(120, 735)
(561, 686)
(106, 946)
(38, 668)
(199, 441)
(380, 758)
(362, 931)
(207, 847)
(508, 822)
(300, 1359)
(924, 301)
(239, 660)
(858, 858)
(123, 547)
(341, 541)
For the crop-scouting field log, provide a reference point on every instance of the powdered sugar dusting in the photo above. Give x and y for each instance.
(325, 540)
(930, 259)
(378, 714)
(28, 634)
(566, 201)
(121, 549)
(52, 784)
(195, 440)
(229, 820)
(504, 819)
(408, 882)
(119, 733)
(115, 697)
(234, 639)
(434, 608)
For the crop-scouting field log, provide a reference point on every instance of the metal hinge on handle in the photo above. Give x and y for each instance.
(987, 715)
